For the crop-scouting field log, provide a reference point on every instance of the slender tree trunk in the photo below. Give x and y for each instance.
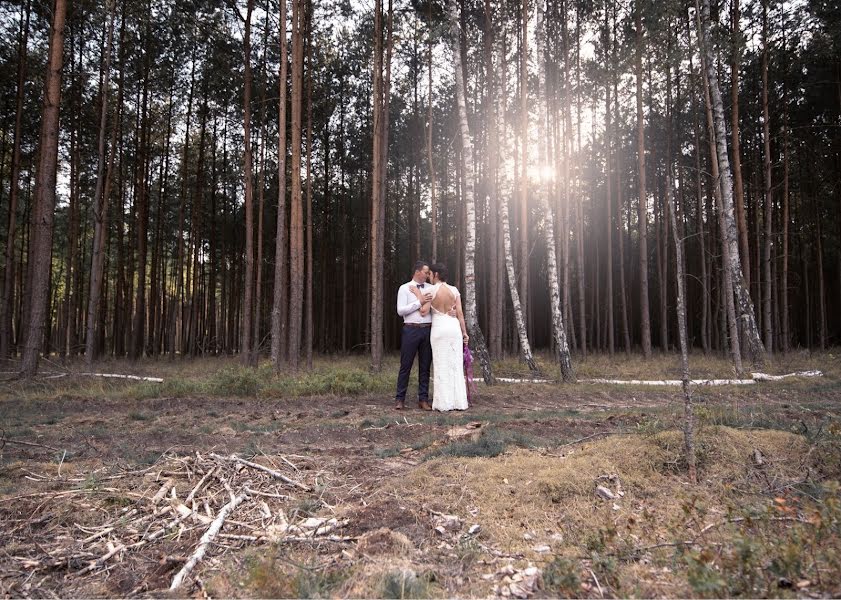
(281, 301)
(558, 329)
(688, 409)
(6, 303)
(432, 200)
(745, 304)
(212, 345)
(524, 165)
(194, 345)
(579, 211)
(726, 275)
(785, 219)
(142, 211)
(645, 317)
(822, 325)
(769, 199)
(45, 193)
(492, 188)
(248, 356)
(176, 312)
(100, 201)
(309, 326)
(611, 346)
(738, 184)
(382, 71)
(296, 223)
(261, 194)
(67, 329)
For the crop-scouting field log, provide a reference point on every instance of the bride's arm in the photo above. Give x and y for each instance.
(425, 304)
(465, 338)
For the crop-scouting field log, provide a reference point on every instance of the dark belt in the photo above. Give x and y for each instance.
(417, 324)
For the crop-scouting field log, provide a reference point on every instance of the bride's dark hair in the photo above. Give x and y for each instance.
(440, 269)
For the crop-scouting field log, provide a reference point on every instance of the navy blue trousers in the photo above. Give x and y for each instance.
(414, 341)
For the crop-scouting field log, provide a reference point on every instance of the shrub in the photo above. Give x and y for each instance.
(492, 442)
(560, 577)
(405, 583)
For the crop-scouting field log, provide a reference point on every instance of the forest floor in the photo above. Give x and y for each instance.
(107, 486)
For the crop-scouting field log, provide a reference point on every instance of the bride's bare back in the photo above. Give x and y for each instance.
(444, 299)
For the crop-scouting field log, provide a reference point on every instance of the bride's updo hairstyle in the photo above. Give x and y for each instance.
(440, 270)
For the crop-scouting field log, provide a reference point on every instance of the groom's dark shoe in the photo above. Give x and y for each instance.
(399, 404)
(424, 405)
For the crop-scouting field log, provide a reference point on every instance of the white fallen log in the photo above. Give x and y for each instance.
(517, 380)
(120, 376)
(755, 377)
(766, 377)
(205, 541)
(670, 382)
(259, 467)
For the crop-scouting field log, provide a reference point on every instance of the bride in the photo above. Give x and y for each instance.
(447, 338)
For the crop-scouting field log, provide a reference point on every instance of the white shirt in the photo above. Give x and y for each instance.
(408, 306)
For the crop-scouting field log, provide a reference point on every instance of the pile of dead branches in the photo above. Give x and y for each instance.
(182, 509)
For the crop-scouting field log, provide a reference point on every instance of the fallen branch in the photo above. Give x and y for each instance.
(205, 541)
(100, 561)
(4, 440)
(259, 467)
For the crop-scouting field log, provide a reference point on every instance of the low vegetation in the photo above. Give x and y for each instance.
(437, 505)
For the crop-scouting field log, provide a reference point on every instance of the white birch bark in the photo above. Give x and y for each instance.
(558, 329)
(470, 309)
(743, 300)
(688, 409)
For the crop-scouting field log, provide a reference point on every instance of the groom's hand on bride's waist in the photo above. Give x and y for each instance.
(452, 312)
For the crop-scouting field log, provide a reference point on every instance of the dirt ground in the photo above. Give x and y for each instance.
(385, 503)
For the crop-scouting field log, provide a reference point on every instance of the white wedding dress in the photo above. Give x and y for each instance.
(450, 390)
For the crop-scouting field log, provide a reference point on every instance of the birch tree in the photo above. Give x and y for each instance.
(558, 329)
(742, 294)
(471, 307)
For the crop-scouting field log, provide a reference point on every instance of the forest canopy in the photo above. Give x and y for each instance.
(204, 177)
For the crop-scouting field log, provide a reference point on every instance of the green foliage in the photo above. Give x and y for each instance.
(766, 554)
(703, 576)
(467, 550)
(405, 584)
(560, 577)
(236, 382)
(273, 578)
(492, 442)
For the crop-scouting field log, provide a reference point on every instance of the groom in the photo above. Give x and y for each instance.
(414, 339)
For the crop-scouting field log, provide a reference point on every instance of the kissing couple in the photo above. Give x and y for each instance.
(434, 330)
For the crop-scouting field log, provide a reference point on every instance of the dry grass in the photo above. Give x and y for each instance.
(526, 499)
(350, 375)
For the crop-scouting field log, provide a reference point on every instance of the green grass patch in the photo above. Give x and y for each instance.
(492, 442)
